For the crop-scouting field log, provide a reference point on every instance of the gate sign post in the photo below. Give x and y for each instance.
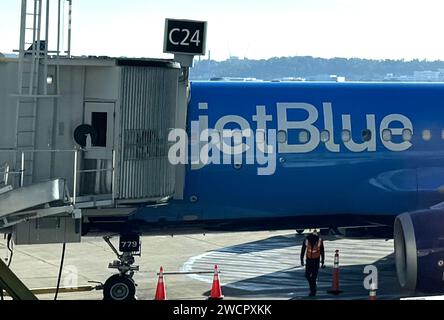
(185, 37)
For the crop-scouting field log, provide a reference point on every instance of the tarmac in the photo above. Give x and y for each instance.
(253, 265)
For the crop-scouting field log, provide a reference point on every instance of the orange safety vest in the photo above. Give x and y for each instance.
(313, 252)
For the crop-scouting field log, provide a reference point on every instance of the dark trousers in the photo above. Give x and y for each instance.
(311, 273)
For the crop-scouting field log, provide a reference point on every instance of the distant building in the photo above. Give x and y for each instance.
(390, 77)
(406, 78)
(338, 78)
(426, 75)
(293, 79)
(398, 78)
(326, 77)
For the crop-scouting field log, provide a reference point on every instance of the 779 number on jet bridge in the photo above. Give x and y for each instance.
(129, 243)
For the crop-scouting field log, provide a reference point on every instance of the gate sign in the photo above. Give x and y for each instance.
(185, 37)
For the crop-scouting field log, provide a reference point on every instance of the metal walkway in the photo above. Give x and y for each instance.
(31, 202)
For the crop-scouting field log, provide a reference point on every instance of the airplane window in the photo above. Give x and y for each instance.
(366, 135)
(442, 134)
(346, 135)
(303, 137)
(386, 135)
(407, 134)
(325, 136)
(282, 136)
(426, 135)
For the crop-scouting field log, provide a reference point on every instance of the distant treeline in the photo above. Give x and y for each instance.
(310, 68)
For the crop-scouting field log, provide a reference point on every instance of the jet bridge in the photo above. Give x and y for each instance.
(87, 136)
(82, 133)
(105, 133)
(40, 213)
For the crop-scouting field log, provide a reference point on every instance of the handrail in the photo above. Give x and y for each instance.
(76, 171)
(93, 170)
(22, 169)
(6, 173)
(74, 189)
(38, 150)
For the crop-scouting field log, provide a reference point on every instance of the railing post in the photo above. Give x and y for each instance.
(6, 177)
(22, 170)
(74, 189)
(113, 179)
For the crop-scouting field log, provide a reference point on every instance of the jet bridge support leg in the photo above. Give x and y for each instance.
(12, 284)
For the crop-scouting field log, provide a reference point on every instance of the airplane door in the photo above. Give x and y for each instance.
(100, 115)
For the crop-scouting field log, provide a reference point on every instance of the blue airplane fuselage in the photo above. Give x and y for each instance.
(342, 151)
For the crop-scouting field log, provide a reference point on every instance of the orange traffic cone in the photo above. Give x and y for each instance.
(335, 281)
(160, 291)
(216, 290)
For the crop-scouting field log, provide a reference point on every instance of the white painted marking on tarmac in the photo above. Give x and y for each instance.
(273, 264)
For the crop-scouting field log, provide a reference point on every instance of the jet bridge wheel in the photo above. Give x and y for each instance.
(119, 287)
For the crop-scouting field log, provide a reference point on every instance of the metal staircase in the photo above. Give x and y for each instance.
(28, 83)
(33, 81)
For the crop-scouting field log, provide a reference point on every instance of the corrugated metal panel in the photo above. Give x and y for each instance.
(148, 104)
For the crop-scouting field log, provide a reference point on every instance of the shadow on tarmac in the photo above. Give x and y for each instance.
(275, 242)
(291, 283)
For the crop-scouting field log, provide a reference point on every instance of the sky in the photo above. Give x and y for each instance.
(253, 29)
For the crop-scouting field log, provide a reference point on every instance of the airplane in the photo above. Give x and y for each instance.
(308, 155)
(257, 155)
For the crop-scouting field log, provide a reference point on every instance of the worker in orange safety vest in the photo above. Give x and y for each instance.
(313, 251)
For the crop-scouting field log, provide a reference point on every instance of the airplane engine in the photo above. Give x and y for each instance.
(419, 250)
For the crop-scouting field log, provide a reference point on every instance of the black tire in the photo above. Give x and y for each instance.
(119, 288)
